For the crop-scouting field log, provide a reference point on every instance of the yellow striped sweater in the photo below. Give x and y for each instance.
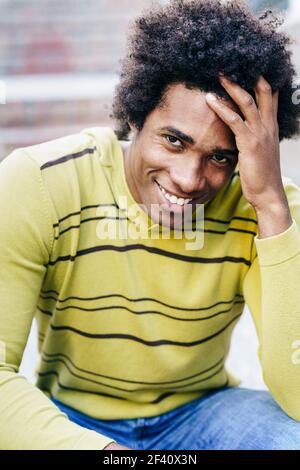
(129, 327)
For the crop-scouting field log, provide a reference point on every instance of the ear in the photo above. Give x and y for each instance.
(133, 128)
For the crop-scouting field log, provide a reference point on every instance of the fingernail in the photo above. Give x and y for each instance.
(211, 97)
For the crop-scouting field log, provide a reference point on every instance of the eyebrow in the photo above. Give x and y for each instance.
(181, 135)
(188, 139)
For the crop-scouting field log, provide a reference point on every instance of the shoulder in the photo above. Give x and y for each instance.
(69, 168)
(64, 149)
(71, 161)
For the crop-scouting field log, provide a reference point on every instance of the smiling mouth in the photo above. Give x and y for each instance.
(173, 200)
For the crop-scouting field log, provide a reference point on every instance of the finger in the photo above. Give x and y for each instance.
(230, 117)
(244, 101)
(264, 99)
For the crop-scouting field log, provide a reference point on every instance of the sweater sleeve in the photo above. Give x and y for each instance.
(272, 293)
(28, 418)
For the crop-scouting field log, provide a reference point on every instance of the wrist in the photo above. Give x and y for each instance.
(273, 219)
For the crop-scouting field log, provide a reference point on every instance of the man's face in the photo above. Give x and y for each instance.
(183, 150)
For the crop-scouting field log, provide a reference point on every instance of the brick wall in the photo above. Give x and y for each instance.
(58, 37)
(39, 36)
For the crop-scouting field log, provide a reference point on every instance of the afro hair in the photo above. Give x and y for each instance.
(192, 42)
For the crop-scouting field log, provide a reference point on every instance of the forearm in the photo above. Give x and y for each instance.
(30, 421)
(279, 259)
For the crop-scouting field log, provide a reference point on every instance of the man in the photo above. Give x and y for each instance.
(134, 318)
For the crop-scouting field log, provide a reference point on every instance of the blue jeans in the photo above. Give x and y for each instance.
(225, 419)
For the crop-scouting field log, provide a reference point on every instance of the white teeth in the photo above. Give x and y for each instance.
(174, 199)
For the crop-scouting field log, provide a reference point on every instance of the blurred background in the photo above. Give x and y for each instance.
(59, 61)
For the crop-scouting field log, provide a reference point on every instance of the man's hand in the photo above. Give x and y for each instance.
(257, 140)
(114, 446)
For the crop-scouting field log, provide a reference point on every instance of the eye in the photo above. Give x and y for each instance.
(171, 139)
(227, 160)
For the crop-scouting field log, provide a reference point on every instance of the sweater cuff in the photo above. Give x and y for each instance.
(91, 440)
(280, 247)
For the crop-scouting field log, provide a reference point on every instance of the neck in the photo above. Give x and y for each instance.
(127, 148)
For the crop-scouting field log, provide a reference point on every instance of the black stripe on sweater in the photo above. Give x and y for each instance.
(66, 158)
(142, 312)
(57, 356)
(139, 299)
(42, 374)
(152, 250)
(200, 230)
(162, 342)
(73, 389)
(95, 206)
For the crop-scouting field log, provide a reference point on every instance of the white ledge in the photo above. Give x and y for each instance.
(58, 87)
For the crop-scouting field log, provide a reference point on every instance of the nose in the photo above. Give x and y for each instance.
(189, 177)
